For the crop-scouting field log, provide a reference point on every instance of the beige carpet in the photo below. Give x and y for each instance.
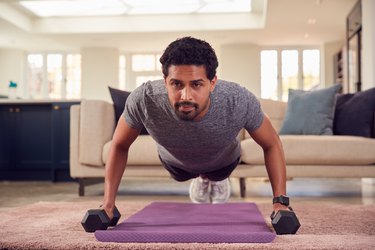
(56, 225)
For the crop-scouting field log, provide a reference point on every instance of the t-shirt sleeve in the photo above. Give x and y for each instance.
(134, 106)
(255, 115)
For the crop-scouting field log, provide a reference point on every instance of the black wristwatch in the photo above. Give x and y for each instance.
(282, 199)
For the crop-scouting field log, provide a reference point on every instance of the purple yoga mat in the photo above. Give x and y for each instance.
(187, 222)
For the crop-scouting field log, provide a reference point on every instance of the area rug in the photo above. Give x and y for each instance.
(181, 222)
(56, 225)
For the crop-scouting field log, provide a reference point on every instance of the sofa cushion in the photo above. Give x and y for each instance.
(316, 150)
(275, 110)
(310, 112)
(143, 151)
(119, 98)
(354, 114)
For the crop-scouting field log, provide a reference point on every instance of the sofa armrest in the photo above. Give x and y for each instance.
(96, 127)
(275, 111)
(74, 140)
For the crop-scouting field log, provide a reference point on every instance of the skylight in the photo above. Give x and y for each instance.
(65, 8)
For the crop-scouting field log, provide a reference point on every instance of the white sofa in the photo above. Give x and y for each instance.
(92, 124)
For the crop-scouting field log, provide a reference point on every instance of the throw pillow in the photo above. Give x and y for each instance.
(310, 112)
(354, 114)
(119, 99)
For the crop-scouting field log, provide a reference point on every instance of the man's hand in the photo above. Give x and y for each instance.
(108, 210)
(284, 220)
(278, 206)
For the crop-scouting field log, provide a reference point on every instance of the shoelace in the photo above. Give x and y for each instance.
(218, 187)
(204, 188)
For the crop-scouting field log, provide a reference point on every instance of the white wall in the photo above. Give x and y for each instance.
(368, 43)
(240, 63)
(12, 67)
(100, 69)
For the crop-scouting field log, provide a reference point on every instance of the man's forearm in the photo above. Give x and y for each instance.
(113, 174)
(275, 164)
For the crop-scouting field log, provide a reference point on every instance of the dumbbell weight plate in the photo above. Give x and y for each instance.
(95, 219)
(285, 222)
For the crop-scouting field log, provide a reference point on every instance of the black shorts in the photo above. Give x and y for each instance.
(218, 175)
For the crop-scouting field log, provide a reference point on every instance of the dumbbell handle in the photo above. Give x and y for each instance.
(115, 216)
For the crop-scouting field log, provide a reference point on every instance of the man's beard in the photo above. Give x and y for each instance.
(187, 115)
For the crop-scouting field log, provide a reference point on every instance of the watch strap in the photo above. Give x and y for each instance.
(282, 199)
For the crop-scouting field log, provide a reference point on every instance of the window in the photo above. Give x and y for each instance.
(311, 69)
(35, 75)
(143, 63)
(269, 74)
(54, 76)
(141, 68)
(282, 69)
(289, 71)
(134, 7)
(73, 76)
(122, 72)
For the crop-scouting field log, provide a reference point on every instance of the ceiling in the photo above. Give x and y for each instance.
(272, 22)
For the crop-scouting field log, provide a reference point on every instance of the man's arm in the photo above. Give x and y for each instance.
(269, 140)
(123, 137)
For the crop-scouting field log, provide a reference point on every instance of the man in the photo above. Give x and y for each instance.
(195, 119)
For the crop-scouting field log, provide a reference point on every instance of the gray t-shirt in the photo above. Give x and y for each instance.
(195, 146)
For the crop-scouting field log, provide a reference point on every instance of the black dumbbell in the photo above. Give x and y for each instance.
(97, 219)
(285, 222)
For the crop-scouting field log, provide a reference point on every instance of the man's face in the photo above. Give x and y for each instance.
(189, 91)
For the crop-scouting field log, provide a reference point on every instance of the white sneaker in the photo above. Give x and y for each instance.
(220, 191)
(199, 190)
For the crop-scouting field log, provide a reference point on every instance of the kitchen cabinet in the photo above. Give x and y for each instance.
(34, 141)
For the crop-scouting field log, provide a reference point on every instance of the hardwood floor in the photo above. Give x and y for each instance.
(340, 191)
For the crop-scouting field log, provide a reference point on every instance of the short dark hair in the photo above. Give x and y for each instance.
(190, 51)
